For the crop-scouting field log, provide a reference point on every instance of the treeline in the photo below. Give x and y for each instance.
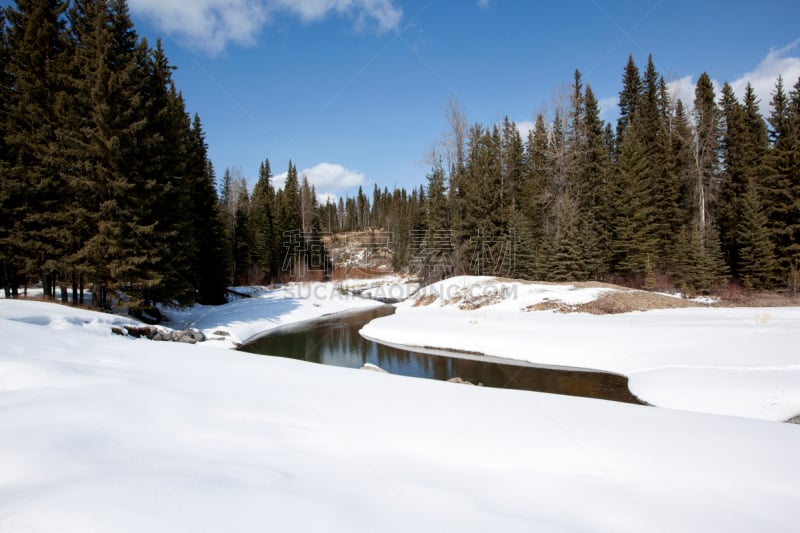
(279, 235)
(691, 197)
(105, 181)
(274, 235)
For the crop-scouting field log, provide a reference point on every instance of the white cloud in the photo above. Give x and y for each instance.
(609, 108)
(210, 25)
(682, 89)
(484, 4)
(327, 179)
(525, 127)
(325, 197)
(331, 176)
(762, 78)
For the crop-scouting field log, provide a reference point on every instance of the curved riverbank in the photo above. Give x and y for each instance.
(336, 341)
(732, 361)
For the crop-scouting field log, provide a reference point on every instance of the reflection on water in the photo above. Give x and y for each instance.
(335, 341)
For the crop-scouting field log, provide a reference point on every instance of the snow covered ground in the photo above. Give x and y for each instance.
(106, 433)
(734, 361)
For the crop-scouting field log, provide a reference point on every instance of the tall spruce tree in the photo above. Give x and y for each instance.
(782, 185)
(262, 205)
(8, 262)
(34, 180)
(75, 133)
(482, 231)
(530, 220)
(122, 251)
(628, 98)
(633, 221)
(433, 254)
(166, 139)
(744, 149)
(633, 235)
(206, 229)
(757, 265)
(789, 255)
(668, 178)
(290, 224)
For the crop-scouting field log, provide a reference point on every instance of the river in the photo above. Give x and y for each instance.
(335, 341)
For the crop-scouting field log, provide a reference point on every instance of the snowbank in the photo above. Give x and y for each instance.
(238, 321)
(105, 433)
(740, 361)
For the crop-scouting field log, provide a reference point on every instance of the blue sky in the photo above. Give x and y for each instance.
(355, 90)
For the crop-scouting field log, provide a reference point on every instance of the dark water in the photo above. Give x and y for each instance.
(335, 341)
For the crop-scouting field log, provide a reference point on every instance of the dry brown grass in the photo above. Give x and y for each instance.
(425, 300)
(761, 299)
(619, 301)
(628, 301)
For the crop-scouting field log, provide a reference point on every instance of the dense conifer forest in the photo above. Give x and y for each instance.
(105, 183)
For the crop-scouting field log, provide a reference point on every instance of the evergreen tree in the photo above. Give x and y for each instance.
(105, 180)
(482, 231)
(242, 242)
(165, 143)
(595, 167)
(756, 258)
(263, 219)
(628, 98)
(695, 267)
(782, 184)
(34, 181)
(437, 209)
(125, 248)
(648, 111)
(8, 262)
(528, 222)
(75, 131)
(290, 224)
(235, 207)
(683, 156)
(633, 235)
(789, 255)
(315, 254)
(291, 213)
(567, 250)
(512, 167)
(744, 149)
(207, 254)
(668, 179)
(433, 253)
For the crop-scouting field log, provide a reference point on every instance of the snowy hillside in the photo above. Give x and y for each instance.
(105, 433)
(739, 361)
